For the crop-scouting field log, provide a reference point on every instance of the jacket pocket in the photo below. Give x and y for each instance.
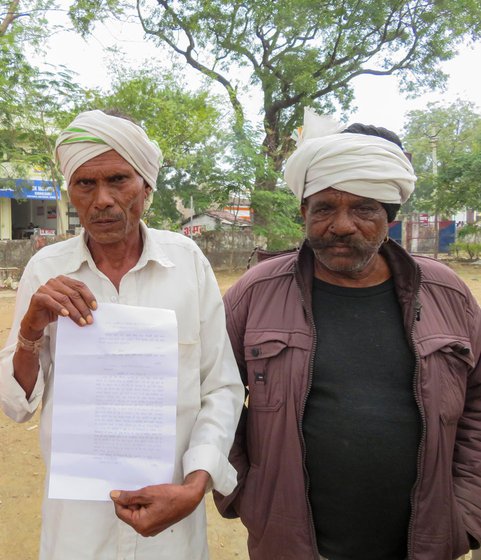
(452, 360)
(264, 377)
(269, 360)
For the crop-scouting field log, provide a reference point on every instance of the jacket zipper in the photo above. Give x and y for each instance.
(417, 398)
(301, 415)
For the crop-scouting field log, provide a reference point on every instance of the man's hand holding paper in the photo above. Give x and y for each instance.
(153, 509)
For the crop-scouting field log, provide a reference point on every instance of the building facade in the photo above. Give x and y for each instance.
(33, 204)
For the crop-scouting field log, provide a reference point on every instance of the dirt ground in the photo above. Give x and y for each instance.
(22, 472)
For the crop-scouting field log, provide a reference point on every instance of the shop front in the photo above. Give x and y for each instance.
(34, 206)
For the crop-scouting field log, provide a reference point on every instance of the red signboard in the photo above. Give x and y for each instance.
(196, 230)
(424, 219)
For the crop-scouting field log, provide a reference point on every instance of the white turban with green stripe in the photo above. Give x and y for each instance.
(93, 133)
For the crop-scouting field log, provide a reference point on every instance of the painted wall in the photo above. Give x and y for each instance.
(5, 219)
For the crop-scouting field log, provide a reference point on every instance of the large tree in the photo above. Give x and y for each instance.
(445, 141)
(299, 52)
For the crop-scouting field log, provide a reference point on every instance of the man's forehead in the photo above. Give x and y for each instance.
(109, 161)
(109, 157)
(332, 193)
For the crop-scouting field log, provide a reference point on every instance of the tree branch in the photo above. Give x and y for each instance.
(188, 55)
(10, 17)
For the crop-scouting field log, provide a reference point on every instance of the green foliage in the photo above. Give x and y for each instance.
(446, 145)
(26, 22)
(469, 242)
(15, 69)
(282, 227)
(21, 24)
(472, 231)
(461, 248)
(84, 13)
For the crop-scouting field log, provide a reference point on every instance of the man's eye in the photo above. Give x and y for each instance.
(365, 210)
(322, 210)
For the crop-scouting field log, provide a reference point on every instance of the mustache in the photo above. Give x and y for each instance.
(336, 241)
(104, 216)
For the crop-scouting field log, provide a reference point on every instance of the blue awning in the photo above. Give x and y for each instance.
(35, 189)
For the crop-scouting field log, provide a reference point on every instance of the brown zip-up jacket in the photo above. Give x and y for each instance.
(271, 328)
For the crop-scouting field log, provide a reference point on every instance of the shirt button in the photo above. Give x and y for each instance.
(255, 352)
(114, 299)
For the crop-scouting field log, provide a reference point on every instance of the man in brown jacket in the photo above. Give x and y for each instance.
(362, 435)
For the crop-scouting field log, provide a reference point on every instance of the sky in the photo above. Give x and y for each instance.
(378, 99)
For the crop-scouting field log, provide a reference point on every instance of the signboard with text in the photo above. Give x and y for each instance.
(196, 230)
(32, 190)
(424, 219)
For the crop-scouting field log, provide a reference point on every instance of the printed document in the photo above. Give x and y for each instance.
(114, 402)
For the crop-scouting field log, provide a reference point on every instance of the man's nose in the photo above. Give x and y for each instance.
(342, 224)
(104, 196)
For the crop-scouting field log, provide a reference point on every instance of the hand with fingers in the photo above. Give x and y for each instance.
(60, 296)
(153, 509)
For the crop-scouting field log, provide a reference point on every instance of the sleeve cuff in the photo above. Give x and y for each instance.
(12, 396)
(209, 458)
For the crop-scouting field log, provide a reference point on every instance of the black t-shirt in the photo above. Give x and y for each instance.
(361, 424)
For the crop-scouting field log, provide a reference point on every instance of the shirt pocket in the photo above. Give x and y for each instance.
(451, 360)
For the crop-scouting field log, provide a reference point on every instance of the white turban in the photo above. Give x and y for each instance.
(93, 133)
(367, 166)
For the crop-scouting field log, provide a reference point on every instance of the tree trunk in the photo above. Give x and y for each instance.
(10, 17)
(274, 150)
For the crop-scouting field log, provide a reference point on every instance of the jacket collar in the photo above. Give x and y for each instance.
(406, 274)
(405, 271)
(304, 270)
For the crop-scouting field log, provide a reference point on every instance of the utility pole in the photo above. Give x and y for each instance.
(191, 217)
(434, 151)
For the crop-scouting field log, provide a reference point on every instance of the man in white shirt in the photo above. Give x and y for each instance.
(111, 169)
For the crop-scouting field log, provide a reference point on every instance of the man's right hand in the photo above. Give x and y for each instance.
(60, 296)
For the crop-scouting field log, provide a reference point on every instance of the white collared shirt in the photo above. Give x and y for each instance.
(172, 273)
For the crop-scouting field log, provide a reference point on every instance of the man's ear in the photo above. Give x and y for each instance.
(303, 209)
(148, 196)
(147, 190)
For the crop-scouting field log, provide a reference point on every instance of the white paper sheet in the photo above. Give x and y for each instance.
(114, 403)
